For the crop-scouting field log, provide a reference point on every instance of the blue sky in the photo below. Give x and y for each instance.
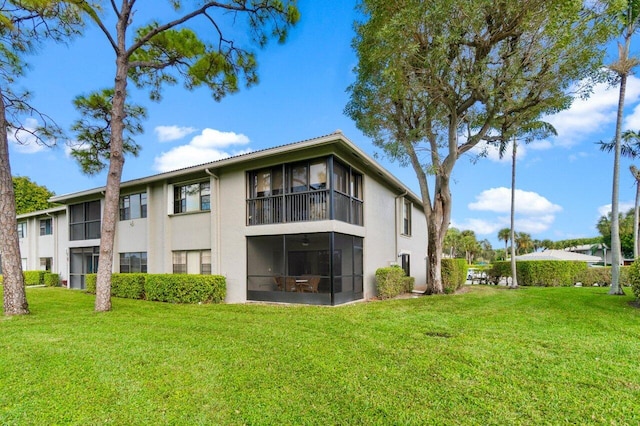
(564, 183)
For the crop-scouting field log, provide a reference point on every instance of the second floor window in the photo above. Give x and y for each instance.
(192, 197)
(45, 227)
(133, 206)
(22, 229)
(84, 221)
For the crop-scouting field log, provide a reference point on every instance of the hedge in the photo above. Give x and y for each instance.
(391, 281)
(634, 278)
(128, 286)
(51, 280)
(183, 288)
(601, 275)
(34, 277)
(454, 274)
(556, 273)
(173, 288)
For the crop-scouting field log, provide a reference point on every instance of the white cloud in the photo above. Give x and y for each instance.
(632, 121)
(589, 115)
(527, 203)
(534, 213)
(210, 145)
(172, 133)
(623, 207)
(492, 152)
(480, 226)
(24, 142)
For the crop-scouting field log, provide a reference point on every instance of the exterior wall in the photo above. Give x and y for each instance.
(383, 241)
(224, 231)
(232, 250)
(35, 246)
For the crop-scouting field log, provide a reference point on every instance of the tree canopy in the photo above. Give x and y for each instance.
(30, 196)
(160, 52)
(435, 79)
(24, 24)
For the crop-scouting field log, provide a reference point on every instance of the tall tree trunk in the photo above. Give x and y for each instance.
(514, 277)
(434, 256)
(116, 164)
(616, 255)
(15, 298)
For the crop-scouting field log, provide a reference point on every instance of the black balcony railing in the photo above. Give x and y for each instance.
(302, 207)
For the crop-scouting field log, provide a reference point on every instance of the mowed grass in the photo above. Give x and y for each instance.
(488, 356)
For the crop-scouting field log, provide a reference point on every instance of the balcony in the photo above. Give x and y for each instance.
(303, 207)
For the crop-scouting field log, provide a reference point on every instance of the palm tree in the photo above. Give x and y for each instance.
(503, 235)
(630, 147)
(524, 243)
(622, 68)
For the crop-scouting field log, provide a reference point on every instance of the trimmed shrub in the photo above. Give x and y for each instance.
(454, 274)
(390, 281)
(33, 277)
(90, 283)
(1, 279)
(129, 286)
(409, 284)
(549, 273)
(183, 288)
(544, 273)
(51, 280)
(633, 274)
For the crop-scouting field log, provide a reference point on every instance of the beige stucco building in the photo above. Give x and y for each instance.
(307, 222)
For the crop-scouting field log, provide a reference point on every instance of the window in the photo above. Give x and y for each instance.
(406, 217)
(45, 227)
(205, 262)
(84, 221)
(192, 197)
(133, 262)
(133, 206)
(316, 189)
(340, 177)
(179, 262)
(22, 229)
(45, 264)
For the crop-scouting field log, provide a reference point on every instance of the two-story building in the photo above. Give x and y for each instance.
(308, 222)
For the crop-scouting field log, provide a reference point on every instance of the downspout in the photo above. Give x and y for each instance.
(396, 231)
(217, 218)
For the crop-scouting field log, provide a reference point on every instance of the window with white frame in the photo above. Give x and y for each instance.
(179, 262)
(45, 264)
(192, 262)
(134, 262)
(205, 262)
(192, 197)
(22, 229)
(45, 227)
(133, 206)
(406, 218)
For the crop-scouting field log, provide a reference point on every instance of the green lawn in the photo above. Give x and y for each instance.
(489, 356)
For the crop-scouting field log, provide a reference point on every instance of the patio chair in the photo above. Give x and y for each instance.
(311, 286)
(278, 281)
(290, 284)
